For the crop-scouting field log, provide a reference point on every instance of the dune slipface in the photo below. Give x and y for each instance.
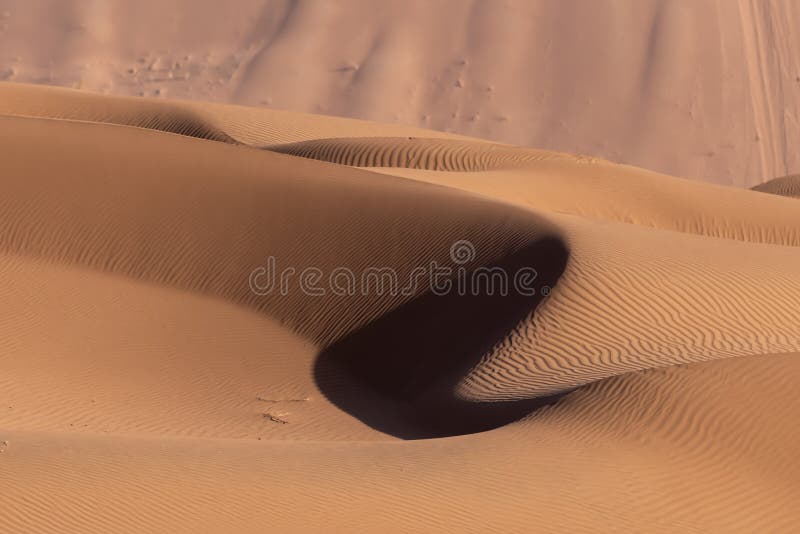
(218, 319)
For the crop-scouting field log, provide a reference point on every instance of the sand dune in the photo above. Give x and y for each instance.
(155, 379)
(788, 186)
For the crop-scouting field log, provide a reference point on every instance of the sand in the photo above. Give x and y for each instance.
(788, 186)
(647, 383)
(706, 90)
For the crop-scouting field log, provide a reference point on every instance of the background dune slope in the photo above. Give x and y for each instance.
(704, 90)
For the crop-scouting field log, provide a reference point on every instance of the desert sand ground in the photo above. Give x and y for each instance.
(647, 385)
(702, 89)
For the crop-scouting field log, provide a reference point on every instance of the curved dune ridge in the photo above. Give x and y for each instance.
(595, 189)
(74, 105)
(578, 185)
(146, 343)
(246, 125)
(413, 153)
(788, 186)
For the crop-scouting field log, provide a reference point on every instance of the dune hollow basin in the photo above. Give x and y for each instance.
(156, 376)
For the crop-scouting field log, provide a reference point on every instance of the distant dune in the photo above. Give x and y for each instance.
(788, 186)
(700, 89)
(156, 379)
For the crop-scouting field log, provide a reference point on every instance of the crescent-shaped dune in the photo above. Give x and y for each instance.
(157, 376)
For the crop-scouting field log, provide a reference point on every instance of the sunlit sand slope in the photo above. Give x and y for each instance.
(700, 448)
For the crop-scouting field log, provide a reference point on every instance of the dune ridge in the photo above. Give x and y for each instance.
(567, 184)
(246, 125)
(548, 180)
(413, 153)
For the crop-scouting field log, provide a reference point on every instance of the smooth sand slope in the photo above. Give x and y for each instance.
(707, 90)
(647, 383)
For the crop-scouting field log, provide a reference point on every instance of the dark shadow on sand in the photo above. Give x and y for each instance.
(398, 373)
